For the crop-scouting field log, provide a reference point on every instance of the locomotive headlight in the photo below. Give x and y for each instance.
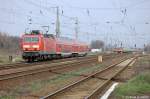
(35, 46)
(26, 46)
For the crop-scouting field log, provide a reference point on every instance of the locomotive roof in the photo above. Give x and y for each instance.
(59, 39)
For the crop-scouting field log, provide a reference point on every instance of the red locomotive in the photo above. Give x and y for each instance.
(39, 46)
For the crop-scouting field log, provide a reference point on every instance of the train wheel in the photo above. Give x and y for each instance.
(58, 56)
(29, 60)
(32, 59)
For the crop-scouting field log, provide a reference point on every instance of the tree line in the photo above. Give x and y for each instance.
(9, 43)
(147, 48)
(97, 44)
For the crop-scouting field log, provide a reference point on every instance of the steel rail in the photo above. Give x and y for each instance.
(43, 69)
(96, 92)
(49, 96)
(24, 64)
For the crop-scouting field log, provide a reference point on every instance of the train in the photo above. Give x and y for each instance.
(124, 50)
(38, 46)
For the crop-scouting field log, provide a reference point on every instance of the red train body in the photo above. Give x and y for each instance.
(39, 46)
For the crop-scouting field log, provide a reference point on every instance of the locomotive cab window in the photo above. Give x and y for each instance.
(35, 39)
(31, 39)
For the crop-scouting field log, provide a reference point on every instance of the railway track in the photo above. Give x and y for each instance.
(91, 86)
(25, 71)
(10, 78)
(24, 64)
(12, 71)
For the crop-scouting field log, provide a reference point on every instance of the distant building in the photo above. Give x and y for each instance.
(96, 50)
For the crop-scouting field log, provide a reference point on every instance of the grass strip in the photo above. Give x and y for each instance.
(139, 85)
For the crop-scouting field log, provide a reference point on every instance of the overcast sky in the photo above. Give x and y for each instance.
(114, 21)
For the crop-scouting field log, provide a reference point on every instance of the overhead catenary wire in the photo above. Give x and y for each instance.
(44, 10)
(105, 8)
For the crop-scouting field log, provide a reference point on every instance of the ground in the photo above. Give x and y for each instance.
(4, 56)
(54, 82)
(135, 81)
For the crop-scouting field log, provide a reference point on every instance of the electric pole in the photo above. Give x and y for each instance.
(57, 23)
(121, 44)
(76, 28)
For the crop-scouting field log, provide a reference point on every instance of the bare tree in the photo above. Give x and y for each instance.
(9, 43)
(97, 44)
(147, 48)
